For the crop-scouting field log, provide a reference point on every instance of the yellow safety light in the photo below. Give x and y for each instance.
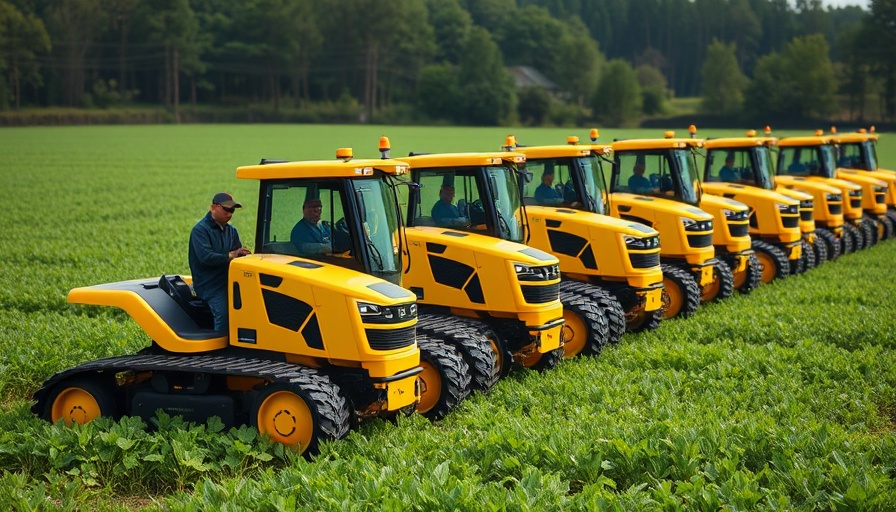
(751, 133)
(669, 134)
(692, 130)
(833, 129)
(768, 129)
(872, 129)
(572, 140)
(861, 130)
(594, 134)
(385, 147)
(818, 133)
(344, 153)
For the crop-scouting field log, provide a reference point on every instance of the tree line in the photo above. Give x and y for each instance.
(613, 61)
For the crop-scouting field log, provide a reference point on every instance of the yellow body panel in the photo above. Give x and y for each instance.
(321, 168)
(874, 190)
(768, 219)
(721, 234)
(490, 286)
(118, 295)
(333, 294)
(828, 212)
(665, 216)
(602, 235)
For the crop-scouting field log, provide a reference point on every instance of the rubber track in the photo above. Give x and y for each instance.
(831, 242)
(334, 414)
(453, 372)
(605, 301)
(782, 264)
(470, 338)
(689, 288)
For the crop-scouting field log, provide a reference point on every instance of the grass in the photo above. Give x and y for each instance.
(783, 399)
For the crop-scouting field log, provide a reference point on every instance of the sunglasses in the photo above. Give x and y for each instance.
(226, 209)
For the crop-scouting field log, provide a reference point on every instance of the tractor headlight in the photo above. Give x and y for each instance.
(525, 272)
(377, 314)
(696, 225)
(806, 204)
(641, 243)
(788, 208)
(736, 214)
(855, 193)
(879, 189)
(833, 197)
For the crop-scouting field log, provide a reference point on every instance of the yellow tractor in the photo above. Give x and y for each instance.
(856, 159)
(479, 193)
(655, 182)
(313, 345)
(803, 160)
(567, 214)
(733, 167)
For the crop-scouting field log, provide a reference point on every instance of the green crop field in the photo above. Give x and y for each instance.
(781, 400)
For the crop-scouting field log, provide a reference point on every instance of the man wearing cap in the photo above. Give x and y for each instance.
(213, 243)
(444, 213)
(310, 235)
(545, 193)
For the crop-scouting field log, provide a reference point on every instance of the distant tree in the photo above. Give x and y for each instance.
(496, 16)
(617, 101)
(22, 39)
(798, 82)
(722, 85)
(578, 63)
(855, 69)
(486, 87)
(451, 24)
(654, 90)
(120, 14)
(438, 93)
(534, 105)
(535, 40)
(73, 26)
(881, 24)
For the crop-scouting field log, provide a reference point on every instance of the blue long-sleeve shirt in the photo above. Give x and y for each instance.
(210, 245)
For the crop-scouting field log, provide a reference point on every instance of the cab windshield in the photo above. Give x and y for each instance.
(504, 185)
(763, 174)
(689, 184)
(595, 188)
(379, 227)
(826, 155)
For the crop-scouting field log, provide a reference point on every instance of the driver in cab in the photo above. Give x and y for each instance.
(445, 213)
(310, 235)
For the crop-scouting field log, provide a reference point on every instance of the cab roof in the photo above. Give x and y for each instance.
(347, 168)
(463, 159)
(559, 150)
(739, 142)
(817, 140)
(638, 144)
(856, 137)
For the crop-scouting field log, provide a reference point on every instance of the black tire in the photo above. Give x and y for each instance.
(585, 331)
(723, 283)
(548, 360)
(797, 266)
(808, 255)
(886, 227)
(80, 400)
(891, 215)
(851, 240)
(819, 250)
(636, 319)
(474, 340)
(304, 412)
(869, 232)
(774, 262)
(608, 305)
(751, 278)
(445, 376)
(831, 243)
(681, 294)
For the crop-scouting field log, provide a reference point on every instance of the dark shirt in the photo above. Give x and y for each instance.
(209, 247)
(639, 184)
(729, 174)
(311, 239)
(445, 214)
(546, 194)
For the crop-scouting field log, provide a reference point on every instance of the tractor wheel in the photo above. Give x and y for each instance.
(819, 250)
(585, 328)
(808, 255)
(79, 400)
(869, 232)
(722, 285)
(548, 360)
(886, 227)
(830, 242)
(637, 321)
(747, 281)
(475, 340)
(851, 241)
(444, 381)
(681, 294)
(891, 214)
(798, 266)
(774, 262)
(606, 303)
(303, 412)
